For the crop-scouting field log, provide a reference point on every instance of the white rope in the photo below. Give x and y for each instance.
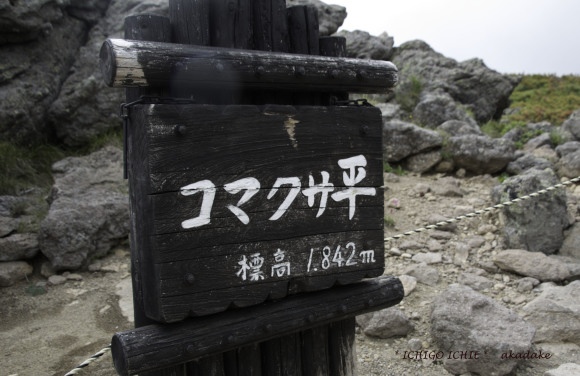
(89, 361)
(482, 211)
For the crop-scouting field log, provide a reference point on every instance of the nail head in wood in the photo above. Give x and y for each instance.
(190, 278)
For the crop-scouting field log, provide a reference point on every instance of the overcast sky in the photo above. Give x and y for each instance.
(511, 36)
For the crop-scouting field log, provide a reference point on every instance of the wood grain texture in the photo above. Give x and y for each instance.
(157, 346)
(235, 261)
(128, 63)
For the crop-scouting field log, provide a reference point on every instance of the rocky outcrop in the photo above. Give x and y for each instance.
(362, 45)
(464, 319)
(330, 17)
(556, 314)
(402, 139)
(532, 264)
(477, 91)
(481, 154)
(533, 225)
(386, 323)
(89, 211)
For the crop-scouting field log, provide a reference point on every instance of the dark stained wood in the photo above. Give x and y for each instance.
(336, 46)
(315, 358)
(190, 21)
(157, 346)
(341, 341)
(207, 268)
(135, 63)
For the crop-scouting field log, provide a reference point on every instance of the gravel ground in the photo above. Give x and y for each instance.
(50, 334)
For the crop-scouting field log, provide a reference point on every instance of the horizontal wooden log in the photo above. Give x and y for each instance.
(129, 63)
(157, 346)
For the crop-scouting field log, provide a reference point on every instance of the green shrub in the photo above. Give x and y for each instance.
(407, 94)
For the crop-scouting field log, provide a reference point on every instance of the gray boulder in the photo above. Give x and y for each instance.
(572, 125)
(13, 271)
(571, 245)
(402, 139)
(462, 319)
(86, 107)
(31, 75)
(435, 108)
(89, 212)
(330, 17)
(536, 225)
(568, 148)
(556, 314)
(569, 165)
(480, 90)
(18, 247)
(422, 162)
(526, 162)
(566, 369)
(481, 154)
(532, 264)
(460, 128)
(538, 141)
(362, 45)
(386, 323)
(24, 21)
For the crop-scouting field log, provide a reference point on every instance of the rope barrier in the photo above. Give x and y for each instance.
(89, 361)
(408, 233)
(486, 210)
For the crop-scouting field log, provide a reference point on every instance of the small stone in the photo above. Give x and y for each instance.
(46, 269)
(410, 245)
(421, 189)
(461, 254)
(395, 251)
(394, 203)
(461, 173)
(437, 218)
(441, 235)
(95, 266)
(499, 286)
(427, 258)
(520, 299)
(406, 255)
(462, 210)
(409, 283)
(415, 344)
(475, 242)
(526, 284)
(434, 246)
(476, 282)
(424, 274)
(56, 280)
(486, 228)
(74, 277)
(488, 266)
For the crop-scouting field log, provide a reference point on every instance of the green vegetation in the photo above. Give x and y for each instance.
(545, 98)
(407, 94)
(23, 167)
(389, 221)
(394, 170)
(538, 98)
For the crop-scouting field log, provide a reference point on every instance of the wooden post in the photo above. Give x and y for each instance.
(213, 65)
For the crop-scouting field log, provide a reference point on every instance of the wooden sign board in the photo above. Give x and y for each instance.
(241, 204)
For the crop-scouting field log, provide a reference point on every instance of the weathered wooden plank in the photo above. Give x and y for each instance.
(336, 46)
(315, 357)
(157, 346)
(241, 141)
(219, 212)
(127, 63)
(190, 21)
(341, 349)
